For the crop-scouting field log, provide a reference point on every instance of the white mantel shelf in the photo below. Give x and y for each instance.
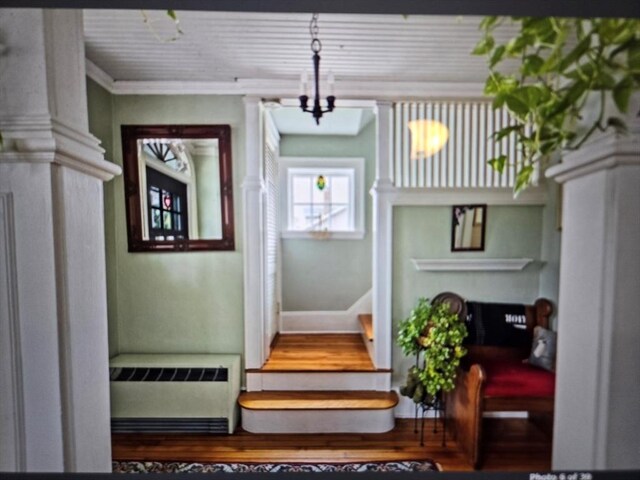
(471, 264)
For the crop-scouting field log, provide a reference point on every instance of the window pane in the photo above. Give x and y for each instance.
(166, 199)
(177, 221)
(166, 216)
(299, 220)
(155, 217)
(301, 189)
(154, 197)
(176, 203)
(321, 196)
(340, 218)
(340, 189)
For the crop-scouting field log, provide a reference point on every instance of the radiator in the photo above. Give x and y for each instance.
(174, 393)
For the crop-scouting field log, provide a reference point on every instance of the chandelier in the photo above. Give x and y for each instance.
(316, 110)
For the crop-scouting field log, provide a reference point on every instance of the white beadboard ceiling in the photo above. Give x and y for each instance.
(267, 49)
(263, 54)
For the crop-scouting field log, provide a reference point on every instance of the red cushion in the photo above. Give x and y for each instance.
(517, 379)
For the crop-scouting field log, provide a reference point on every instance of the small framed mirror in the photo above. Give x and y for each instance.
(178, 187)
(467, 227)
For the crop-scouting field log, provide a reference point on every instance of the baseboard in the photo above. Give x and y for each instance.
(406, 409)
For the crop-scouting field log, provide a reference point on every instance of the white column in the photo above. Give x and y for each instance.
(54, 405)
(382, 241)
(597, 418)
(253, 192)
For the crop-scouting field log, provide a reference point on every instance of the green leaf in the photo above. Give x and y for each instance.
(517, 45)
(498, 163)
(622, 93)
(484, 46)
(633, 56)
(523, 179)
(497, 56)
(503, 132)
(583, 72)
(576, 90)
(488, 22)
(575, 54)
(604, 81)
(531, 65)
(552, 62)
(172, 15)
(517, 105)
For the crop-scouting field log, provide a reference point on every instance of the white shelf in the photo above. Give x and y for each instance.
(471, 264)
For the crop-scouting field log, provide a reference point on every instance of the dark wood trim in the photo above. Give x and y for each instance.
(130, 136)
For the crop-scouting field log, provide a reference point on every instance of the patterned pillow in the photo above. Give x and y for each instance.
(543, 350)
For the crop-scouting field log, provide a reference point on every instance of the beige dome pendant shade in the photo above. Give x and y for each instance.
(427, 137)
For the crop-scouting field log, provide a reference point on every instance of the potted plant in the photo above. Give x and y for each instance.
(569, 68)
(434, 333)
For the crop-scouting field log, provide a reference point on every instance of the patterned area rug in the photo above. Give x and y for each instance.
(186, 467)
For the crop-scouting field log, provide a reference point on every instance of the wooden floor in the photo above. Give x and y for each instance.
(512, 445)
(319, 352)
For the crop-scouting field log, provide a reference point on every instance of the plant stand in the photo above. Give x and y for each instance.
(439, 408)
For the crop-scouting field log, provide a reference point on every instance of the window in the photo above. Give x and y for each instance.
(167, 207)
(322, 196)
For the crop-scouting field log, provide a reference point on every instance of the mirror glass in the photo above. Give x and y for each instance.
(468, 227)
(178, 187)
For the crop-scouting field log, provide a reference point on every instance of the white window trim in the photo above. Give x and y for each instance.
(324, 164)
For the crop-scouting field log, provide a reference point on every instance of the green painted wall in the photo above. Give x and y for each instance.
(425, 232)
(101, 125)
(550, 253)
(172, 302)
(329, 274)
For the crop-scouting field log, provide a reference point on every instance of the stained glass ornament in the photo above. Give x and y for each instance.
(321, 182)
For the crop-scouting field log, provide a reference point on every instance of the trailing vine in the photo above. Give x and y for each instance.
(564, 62)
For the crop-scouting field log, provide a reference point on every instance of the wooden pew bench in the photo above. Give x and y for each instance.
(495, 379)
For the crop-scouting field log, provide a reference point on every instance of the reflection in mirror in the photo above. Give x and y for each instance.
(468, 227)
(178, 187)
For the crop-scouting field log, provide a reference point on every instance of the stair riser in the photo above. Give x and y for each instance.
(318, 421)
(379, 381)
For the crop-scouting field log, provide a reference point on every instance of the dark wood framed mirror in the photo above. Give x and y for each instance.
(178, 187)
(468, 223)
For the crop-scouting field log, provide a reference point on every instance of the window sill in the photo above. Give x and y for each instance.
(323, 235)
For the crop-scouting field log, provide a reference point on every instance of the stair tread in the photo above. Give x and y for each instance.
(319, 352)
(318, 400)
(366, 321)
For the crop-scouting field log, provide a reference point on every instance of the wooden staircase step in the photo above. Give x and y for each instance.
(366, 321)
(319, 353)
(318, 400)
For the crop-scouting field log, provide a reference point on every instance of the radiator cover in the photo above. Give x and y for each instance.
(194, 393)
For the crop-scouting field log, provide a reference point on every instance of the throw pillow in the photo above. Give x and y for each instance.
(543, 350)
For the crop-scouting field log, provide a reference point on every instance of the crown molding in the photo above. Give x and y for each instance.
(99, 76)
(347, 90)
(605, 151)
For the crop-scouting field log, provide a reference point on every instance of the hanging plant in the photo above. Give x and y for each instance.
(437, 334)
(563, 63)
